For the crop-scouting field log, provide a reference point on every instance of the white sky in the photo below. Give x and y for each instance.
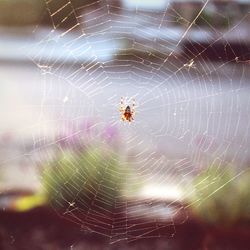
(146, 4)
(159, 4)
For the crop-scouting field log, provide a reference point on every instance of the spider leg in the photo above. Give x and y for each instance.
(122, 105)
(133, 107)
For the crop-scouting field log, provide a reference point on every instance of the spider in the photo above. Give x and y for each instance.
(127, 114)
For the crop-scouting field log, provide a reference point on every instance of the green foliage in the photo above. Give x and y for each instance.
(244, 194)
(88, 179)
(221, 196)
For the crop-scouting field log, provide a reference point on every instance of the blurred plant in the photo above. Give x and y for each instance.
(208, 19)
(33, 12)
(21, 12)
(91, 176)
(65, 17)
(216, 15)
(221, 196)
(27, 202)
(84, 166)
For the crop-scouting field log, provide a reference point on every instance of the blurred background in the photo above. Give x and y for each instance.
(64, 67)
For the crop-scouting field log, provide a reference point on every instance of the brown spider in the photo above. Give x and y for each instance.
(127, 114)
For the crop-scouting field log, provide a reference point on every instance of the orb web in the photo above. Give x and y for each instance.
(192, 104)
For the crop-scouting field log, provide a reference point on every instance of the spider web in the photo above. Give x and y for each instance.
(191, 111)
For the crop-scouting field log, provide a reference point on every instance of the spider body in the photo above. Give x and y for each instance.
(127, 114)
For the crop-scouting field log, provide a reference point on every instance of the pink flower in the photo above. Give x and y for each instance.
(110, 133)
